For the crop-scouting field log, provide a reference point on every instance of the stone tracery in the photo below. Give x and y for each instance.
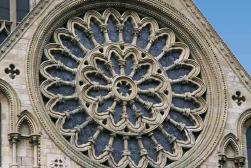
(105, 110)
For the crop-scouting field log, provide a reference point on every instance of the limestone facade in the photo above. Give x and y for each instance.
(30, 139)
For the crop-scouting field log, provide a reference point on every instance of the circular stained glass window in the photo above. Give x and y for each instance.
(123, 90)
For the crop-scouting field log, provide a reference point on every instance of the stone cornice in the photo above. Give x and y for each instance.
(220, 44)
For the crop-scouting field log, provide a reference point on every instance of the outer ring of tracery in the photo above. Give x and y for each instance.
(34, 44)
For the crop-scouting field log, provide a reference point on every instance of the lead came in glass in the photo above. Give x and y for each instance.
(123, 103)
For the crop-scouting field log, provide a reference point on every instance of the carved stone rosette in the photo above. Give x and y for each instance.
(122, 90)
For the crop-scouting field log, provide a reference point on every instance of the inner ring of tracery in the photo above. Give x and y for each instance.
(124, 88)
(124, 77)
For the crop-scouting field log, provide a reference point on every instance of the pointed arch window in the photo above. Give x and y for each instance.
(5, 10)
(22, 8)
(12, 13)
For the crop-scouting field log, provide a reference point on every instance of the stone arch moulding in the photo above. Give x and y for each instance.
(230, 141)
(26, 116)
(14, 103)
(233, 140)
(214, 121)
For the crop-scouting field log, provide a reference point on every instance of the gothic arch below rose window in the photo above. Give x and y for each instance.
(122, 89)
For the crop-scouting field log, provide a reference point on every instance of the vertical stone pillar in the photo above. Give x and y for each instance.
(34, 140)
(14, 138)
(239, 161)
(13, 14)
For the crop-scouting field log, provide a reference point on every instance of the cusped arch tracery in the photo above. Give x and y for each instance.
(122, 90)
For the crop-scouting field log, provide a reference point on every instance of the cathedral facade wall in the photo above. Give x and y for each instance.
(29, 142)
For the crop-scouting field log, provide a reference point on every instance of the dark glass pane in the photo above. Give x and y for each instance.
(249, 146)
(3, 35)
(22, 9)
(4, 10)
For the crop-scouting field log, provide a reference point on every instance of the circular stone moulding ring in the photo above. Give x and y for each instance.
(124, 88)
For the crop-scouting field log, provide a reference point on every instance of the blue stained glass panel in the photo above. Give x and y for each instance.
(117, 112)
(134, 149)
(173, 130)
(96, 78)
(75, 119)
(182, 103)
(61, 89)
(65, 59)
(141, 71)
(66, 105)
(112, 29)
(131, 114)
(101, 142)
(178, 117)
(179, 72)
(84, 38)
(157, 46)
(61, 73)
(169, 58)
(104, 105)
(87, 133)
(163, 140)
(188, 87)
(23, 8)
(149, 84)
(5, 10)
(129, 65)
(73, 47)
(128, 31)
(149, 146)
(143, 37)
(118, 147)
(97, 33)
(143, 110)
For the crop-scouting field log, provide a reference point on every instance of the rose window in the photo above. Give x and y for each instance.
(122, 90)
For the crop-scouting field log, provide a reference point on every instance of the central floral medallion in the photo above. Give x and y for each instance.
(124, 89)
